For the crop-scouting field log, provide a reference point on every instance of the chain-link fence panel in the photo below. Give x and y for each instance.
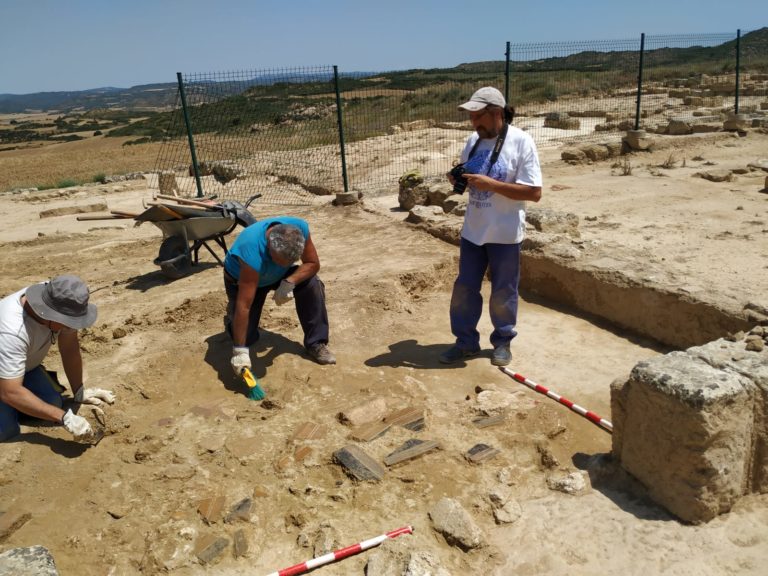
(402, 121)
(753, 80)
(568, 92)
(280, 133)
(268, 132)
(689, 82)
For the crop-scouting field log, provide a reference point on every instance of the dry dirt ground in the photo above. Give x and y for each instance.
(182, 429)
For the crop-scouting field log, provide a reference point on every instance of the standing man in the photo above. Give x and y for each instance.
(501, 168)
(30, 321)
(261, 260)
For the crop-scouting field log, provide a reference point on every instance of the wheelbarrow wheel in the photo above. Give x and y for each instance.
(173, 258)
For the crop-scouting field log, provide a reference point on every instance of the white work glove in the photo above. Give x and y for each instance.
(77, 426)
(241, 359)
(284, 292)
(95, 396)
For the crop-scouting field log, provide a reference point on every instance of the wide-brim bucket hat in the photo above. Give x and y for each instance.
(64, 300)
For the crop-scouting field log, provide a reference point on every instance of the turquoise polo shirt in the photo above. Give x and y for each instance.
(251, 247)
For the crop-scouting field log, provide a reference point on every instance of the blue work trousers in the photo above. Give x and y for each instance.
(41, 384)
(467, 301)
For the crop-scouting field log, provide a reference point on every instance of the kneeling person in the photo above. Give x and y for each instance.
(262, 259)
(30, 321)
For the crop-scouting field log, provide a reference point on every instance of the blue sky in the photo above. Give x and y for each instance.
(56, 45)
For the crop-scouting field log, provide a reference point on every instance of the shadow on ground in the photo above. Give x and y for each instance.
(411, 354)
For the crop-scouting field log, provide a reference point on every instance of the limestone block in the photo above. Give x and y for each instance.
(561, 120)
(679, 93)
(573, 155)
(596, 151)
(425, 214)
(412, 190)
(454, 200)
(167, 183)
(410, 197)
(451, 520)
(678, 127)
(438, 193)
(736, 122)
(703, 128)
(548, 220)
(684, 429)
(735, 357)
(638, 140)
(371, 410)
(30, 561)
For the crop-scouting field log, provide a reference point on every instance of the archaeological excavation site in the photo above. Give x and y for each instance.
(628, 434)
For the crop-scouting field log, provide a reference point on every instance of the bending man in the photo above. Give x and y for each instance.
(262, 260)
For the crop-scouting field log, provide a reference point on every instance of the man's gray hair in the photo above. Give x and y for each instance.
(287, 241)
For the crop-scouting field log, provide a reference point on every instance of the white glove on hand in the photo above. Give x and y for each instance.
(284, 292)
(77, 426)
(95, 396)
(241, 358)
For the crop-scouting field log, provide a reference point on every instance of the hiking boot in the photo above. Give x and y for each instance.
(455, 354)
(501, 355)
(321, 354)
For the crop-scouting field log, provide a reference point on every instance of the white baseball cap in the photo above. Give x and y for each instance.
(482, 98)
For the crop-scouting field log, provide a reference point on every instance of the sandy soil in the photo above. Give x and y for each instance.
(182, 429)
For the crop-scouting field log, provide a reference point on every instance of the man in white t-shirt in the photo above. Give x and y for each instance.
(501, 173)
(30, 321)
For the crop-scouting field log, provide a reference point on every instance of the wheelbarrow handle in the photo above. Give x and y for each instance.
(190, 202)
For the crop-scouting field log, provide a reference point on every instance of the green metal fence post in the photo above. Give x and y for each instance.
(339, 119)
(738, 66)
(506, 77)
(640, 81)
(189, 135)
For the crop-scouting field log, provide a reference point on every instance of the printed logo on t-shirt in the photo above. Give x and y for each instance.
(478, 164)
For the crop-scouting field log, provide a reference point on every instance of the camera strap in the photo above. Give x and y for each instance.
(496, 148)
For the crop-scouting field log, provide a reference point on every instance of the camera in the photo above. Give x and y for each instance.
(459, 182)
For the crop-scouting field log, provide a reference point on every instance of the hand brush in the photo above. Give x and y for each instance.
(255, 391)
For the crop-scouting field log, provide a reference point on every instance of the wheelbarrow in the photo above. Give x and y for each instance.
(189, 227)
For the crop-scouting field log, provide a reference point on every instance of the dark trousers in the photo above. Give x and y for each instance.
(467, 302)
(42, 384)
(309, 297)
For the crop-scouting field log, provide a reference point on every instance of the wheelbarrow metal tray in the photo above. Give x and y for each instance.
(201, 228)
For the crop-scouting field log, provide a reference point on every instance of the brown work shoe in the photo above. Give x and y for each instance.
(321, 354)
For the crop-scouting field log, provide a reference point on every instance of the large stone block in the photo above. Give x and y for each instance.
(638, 140)
(692, 427)
(30, 561)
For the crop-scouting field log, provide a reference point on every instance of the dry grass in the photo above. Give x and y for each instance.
(623, 167)
(79, 161)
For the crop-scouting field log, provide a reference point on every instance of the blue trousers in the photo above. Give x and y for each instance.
(41, 384)
(467, 302)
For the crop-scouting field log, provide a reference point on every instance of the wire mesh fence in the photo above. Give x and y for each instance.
(574, 91)
(295, 134)
(688, 78)
(395, 122)
(753, 74)
(268, 132)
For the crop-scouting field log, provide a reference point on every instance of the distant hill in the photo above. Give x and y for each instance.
(754, 48)
(143, 96)
(754, 45)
